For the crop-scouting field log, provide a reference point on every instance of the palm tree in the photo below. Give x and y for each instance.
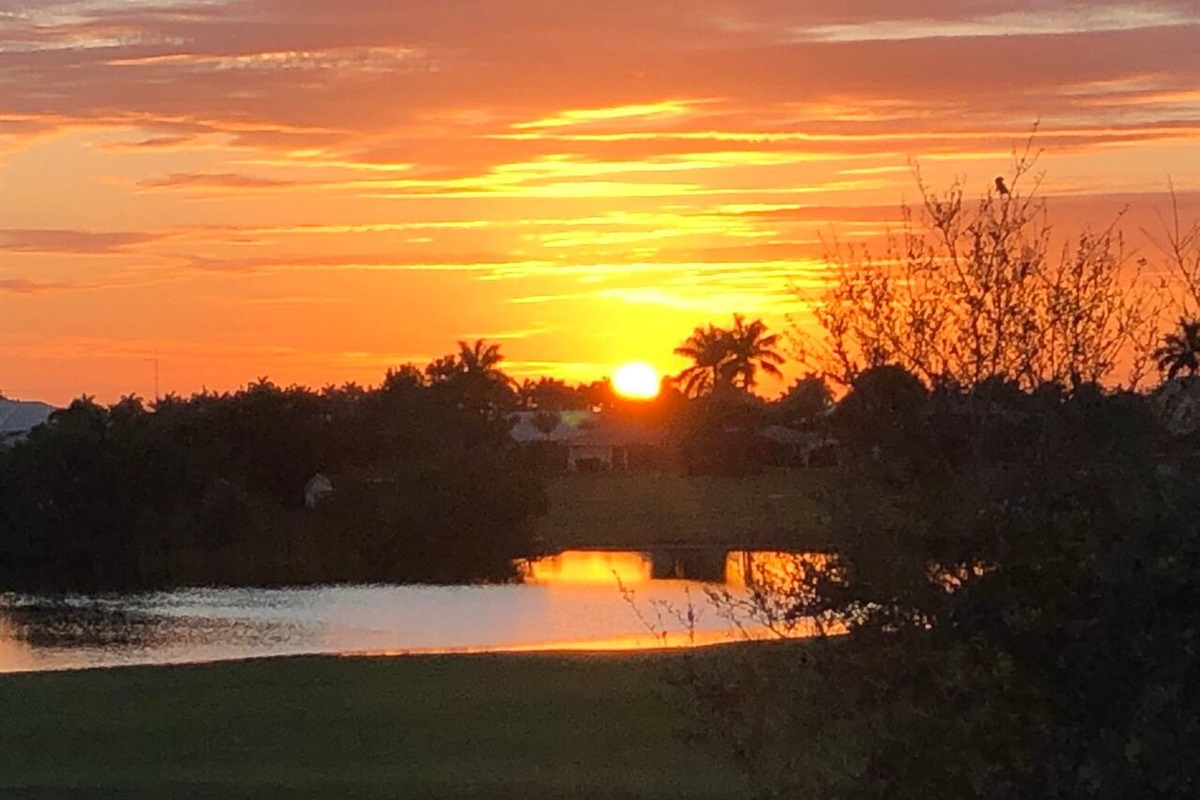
(728, 359)
(479, 357)
(1180, 350)
(474, 374)
(548, 394)
(752, 350)
(709, 349)
(479, 360)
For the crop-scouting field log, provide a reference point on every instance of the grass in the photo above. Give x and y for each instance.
(482, 726)
(776, 508)
(533, 726)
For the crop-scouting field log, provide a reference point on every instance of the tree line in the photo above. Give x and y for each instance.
(210, 489)
(428, 484)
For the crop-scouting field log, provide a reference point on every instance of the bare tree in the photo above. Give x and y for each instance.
(968, 292)
(1180, 245)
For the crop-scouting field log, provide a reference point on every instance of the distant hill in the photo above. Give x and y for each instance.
(19, 417)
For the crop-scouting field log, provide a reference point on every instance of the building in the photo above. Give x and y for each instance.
(19, 417)
(616, 446)
(557, 427)
(317, 488)
(585, 441)
(788, 447)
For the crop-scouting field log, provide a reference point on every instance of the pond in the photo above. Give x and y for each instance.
(574, 600)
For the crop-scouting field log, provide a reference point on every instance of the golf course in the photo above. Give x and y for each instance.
(464, 726)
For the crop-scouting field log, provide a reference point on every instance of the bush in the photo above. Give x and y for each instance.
(1018, 582)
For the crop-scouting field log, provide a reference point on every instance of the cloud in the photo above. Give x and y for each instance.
(523, 333)
(153, 143)
(272, 300)
(74, 242)
(370, 262)
(504, 166)
(28, 286)
(225, 180)
(425, 70)
(1089, 18)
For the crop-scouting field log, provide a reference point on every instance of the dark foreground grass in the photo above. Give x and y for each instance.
(480, 726)
(777, 508)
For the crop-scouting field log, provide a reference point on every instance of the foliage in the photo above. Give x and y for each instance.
(1180, 350)
(210, 489)
(728, 359)
(1016, 572)
(717, 435)
(472, 379)
(805, 403)
(1017, 550)
(709, 351)
(751, 349)
(551, 395)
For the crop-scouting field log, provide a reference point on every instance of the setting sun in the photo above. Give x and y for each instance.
(637, 380)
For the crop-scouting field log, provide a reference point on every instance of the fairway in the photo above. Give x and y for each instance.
(777, 508)
(478, 726)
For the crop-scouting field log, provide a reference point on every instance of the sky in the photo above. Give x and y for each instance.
(199, 193)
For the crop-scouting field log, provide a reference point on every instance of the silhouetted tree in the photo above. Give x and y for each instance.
(474, 377)
(208, 489)
(1180, 350)
(725, 359)
(708, 348)
(752, 350)
(807, 400)
(1179, 244)
(407, 376)
(968, 293)
(546, 422)
(1015, 557)
(882, 413)
(598, 395)
(550, 394)
(1016, 574)
(481, 358)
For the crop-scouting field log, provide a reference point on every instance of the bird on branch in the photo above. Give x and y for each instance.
(1000, 187)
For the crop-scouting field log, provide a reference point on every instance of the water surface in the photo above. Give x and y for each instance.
(575, 600)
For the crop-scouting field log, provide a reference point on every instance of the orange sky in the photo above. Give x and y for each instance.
(316, 191)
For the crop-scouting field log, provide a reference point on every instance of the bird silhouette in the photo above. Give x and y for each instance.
(1000, 187)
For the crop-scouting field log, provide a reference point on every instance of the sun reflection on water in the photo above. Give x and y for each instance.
(774, 570)
(587, 567)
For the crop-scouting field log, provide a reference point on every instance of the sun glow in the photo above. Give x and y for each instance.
(589, 567)
(637, 380)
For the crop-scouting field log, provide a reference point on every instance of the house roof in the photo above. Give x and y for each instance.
(611, 433)
(570, 425)
(782, 434)
(586, 429)
(18, 417)
(785, 435)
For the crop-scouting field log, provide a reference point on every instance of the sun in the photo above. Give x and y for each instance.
(637, 380)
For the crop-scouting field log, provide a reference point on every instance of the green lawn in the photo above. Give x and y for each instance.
(486, 726)
(634, 509)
